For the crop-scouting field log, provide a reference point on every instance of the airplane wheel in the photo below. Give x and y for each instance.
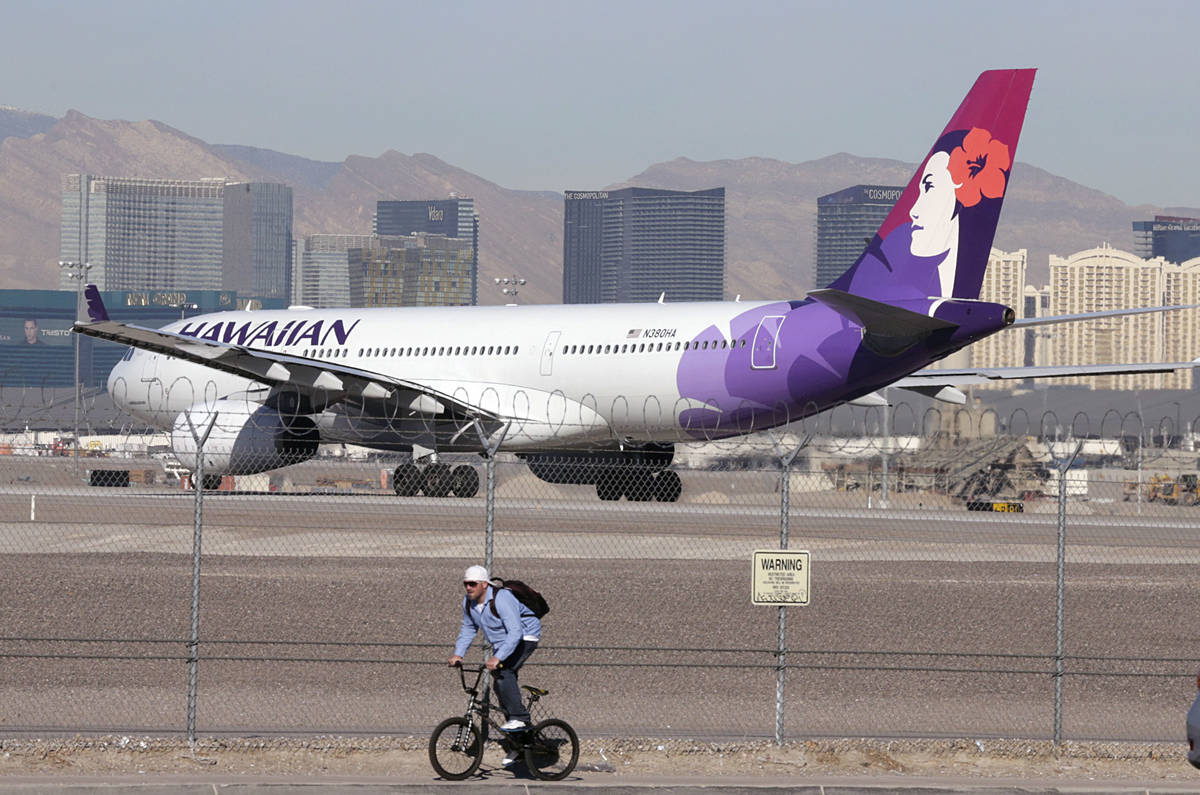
(639, 485)
(406, 480)
(437, 480)
(608, 486)
(464, 481)
(667, 486)
(212, 482)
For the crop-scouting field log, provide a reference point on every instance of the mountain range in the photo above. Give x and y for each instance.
(770, 205)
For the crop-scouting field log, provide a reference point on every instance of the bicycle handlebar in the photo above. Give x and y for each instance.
(478, 670)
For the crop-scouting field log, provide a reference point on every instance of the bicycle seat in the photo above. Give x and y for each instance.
(537, 691)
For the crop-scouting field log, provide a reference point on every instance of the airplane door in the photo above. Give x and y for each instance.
(155, 394)
(766, 339)
(548, 352)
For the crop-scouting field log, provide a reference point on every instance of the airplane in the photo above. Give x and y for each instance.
(600, 394)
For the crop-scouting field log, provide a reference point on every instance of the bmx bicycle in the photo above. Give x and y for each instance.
(550, 748)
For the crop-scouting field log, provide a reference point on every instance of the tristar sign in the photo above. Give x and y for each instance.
(780, 578)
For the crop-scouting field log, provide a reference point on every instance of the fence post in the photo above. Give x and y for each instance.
(883, 454)
(197, 525)
(489, 526)
(785, 486)
(1059, 590)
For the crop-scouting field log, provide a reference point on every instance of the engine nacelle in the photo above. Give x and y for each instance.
(585, 466)
(246, 438)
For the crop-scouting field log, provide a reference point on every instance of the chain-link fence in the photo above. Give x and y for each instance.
(971, 575)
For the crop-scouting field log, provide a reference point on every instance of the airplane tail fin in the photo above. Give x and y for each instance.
(936, 241)
(95, 306)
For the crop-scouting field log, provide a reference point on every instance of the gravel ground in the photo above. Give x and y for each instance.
(406, 756)
(648, 648)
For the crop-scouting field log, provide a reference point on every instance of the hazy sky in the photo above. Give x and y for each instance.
(556, 95)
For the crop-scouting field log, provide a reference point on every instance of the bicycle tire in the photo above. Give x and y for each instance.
(551, 750)
(455, 755)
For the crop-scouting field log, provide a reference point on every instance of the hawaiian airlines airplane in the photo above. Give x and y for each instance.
(600, 394)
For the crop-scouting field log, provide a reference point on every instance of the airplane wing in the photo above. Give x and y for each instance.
(332, 382)
(1026, 322)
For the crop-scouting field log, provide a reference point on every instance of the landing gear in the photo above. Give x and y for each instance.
(667, 486)
(435, 480)
(638, 484)
(464, 481)
(406, 480)
(609, 486)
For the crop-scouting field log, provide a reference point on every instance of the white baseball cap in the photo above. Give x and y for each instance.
(475, 574)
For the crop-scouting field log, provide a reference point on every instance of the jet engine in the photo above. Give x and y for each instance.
(246, 438)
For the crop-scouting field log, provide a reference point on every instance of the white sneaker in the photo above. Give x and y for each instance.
(509, 759)
(513, 726)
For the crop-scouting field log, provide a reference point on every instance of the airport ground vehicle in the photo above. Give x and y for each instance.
(550, 748)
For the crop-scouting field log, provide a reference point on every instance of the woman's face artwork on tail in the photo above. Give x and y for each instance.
(934, 221)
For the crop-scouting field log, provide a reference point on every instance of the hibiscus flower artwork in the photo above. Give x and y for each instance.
(979, 167)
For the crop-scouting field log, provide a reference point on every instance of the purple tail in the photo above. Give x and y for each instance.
(936, 241)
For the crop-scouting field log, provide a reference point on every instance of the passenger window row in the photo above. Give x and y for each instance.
(654, 347)
(446, 350)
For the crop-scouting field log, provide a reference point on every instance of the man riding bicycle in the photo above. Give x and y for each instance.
(512, 630)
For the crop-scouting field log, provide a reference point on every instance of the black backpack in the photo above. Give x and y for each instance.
(533, 601)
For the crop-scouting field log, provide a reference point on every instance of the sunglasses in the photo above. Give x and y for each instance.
(470, 583)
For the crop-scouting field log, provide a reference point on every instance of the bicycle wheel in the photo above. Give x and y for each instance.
(455, 748)
(552, 750)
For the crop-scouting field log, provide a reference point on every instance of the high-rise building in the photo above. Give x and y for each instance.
(412, 270)
(846, 222)
(454, 217)
(322, 277)
(1106, 278)
(635, 244)
(155, 234)
(1170, 237)
(257, 239)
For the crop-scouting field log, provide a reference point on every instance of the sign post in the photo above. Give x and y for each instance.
(780, 578)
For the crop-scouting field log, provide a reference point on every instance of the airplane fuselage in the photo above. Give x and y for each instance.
(564, 375)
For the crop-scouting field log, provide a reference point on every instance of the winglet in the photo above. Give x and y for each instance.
(95, 306)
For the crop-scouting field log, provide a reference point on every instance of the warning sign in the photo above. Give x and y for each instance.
(780, 577)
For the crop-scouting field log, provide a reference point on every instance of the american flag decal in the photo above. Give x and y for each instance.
(633, 332)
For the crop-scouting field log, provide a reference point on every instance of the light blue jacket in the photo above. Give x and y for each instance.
(505, 631)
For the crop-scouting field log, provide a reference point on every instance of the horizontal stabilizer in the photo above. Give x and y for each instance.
(877, 317)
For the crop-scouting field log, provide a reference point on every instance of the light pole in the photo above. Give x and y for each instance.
(78, 272)
(511, 285)
(183, 308)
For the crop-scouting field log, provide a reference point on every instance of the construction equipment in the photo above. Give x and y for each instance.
(1181, 490)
